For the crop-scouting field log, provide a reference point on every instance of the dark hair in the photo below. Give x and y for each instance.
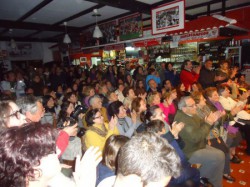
(148, 156)
(155, 126)
(68, 95)
(125, 92)
(63, 112)
(111, 149)
(90, 116)
(22, 149)
(46, 99)
(113, 108)
(151, 112)
(221, 88)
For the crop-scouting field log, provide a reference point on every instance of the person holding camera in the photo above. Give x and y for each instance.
(74, 147)
(98, 131)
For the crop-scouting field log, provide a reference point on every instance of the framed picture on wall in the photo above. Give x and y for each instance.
(83, 59)
(168, 17)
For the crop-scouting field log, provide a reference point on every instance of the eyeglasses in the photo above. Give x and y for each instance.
(98, 117)
(191, 106)
(17, 114)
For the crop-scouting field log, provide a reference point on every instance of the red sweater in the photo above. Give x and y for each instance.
(188, 78)
(62, 142)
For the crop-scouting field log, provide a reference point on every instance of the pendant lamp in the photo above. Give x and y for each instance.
(97, 32)
(66, 38)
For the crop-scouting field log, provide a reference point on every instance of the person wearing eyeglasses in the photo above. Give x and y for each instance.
(194, 135)
(10, 115)
(98, 131)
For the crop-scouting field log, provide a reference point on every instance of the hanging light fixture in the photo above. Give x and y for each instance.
(66, 38)
(97, 32)
(13, 43)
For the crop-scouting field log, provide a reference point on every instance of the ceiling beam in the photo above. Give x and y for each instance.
(131, 5)
(35, 26)
(79, 14)
(35, 9)
(22, 39)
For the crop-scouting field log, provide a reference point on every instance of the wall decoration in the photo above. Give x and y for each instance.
(168, 17)
(131, 27)
(109, 32)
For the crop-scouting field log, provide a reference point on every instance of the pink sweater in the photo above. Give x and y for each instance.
(167, 110)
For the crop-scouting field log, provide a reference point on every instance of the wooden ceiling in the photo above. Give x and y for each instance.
(42, 20)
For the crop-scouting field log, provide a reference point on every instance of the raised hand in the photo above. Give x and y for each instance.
(176, 128)
(85, 168)
(70, 130)
(211, 118)
(113, 122)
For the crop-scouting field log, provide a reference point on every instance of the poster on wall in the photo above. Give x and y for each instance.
(131, 27)
(168, 17)
(21, 50)
(109, 32)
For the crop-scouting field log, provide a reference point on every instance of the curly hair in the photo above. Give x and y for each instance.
(21, 149)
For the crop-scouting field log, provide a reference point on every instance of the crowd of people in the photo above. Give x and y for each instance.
(119, 126)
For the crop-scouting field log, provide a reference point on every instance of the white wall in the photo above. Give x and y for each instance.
(28, 51)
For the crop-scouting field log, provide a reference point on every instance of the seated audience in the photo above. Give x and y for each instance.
(189, 176)
(194, 135)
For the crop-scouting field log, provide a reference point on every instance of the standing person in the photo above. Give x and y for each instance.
(189, 75)
(207, 75)
(171, 74)
(194, 135)
(162, 71)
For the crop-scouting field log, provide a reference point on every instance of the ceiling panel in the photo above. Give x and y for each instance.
(58, 10)
(195, 2)
(14, 9)
(149, 2)
(106, 13)
(234, 2)
(216, 6)
(18, 33)
(196, 11)
(46, 34)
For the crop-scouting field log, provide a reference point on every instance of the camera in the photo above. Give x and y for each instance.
(73, 119)
(74, 115)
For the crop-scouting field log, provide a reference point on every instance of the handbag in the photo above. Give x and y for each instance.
(218, 143)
